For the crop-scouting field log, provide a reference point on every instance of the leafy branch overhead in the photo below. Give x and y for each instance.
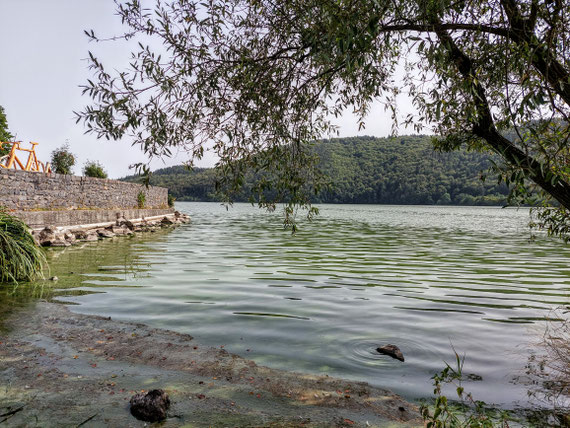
(257, 81)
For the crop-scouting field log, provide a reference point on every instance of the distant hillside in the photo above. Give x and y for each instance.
(369, 170)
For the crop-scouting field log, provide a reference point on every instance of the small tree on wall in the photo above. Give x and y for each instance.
(94, 169)
(62, 160)
(141, 199)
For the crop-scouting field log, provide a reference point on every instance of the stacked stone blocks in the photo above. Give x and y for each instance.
(29, 191)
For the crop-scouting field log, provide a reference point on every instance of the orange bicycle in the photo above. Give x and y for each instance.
(33, 164)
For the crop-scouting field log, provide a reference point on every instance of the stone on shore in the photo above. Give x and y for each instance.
(46, 236)
(104, 233)
(150, 407)
(166, 221)
(52, 236)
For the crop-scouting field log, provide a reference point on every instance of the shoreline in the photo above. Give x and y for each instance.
(65, 236)
(62, 368)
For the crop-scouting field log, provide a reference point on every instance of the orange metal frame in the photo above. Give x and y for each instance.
(33, 164)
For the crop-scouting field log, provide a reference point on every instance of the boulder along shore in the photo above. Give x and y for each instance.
(58, 368)
(65, 236)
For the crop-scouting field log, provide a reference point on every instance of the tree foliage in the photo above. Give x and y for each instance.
(62, 160)
(5, 134)
(260, 80)
(368, 170)
(94, 169)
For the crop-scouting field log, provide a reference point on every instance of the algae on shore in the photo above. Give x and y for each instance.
(62, 369)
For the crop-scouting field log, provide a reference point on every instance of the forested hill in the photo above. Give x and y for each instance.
(369, 170)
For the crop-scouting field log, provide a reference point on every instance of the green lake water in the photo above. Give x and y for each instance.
(359, 276)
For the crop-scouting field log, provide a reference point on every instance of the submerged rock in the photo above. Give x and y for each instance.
(474, 377)
(58, 241)
(104, 233)
(150, 407)
(79, 234)
(92, 237)
(391, 350)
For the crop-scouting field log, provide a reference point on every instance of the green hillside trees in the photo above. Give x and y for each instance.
(369, 170)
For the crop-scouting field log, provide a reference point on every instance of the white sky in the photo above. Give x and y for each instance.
(42, 64)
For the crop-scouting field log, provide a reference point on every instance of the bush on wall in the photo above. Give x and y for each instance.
(62, 160)
(94, 169)
(141, 199)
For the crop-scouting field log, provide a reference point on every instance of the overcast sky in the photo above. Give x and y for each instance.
(42, 65)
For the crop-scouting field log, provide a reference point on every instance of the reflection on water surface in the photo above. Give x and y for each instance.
(422, 278)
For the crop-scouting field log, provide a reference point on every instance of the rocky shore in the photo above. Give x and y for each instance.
(52, 236)
(58, 368)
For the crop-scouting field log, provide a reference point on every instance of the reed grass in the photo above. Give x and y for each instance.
(20, 258)
(557, 344)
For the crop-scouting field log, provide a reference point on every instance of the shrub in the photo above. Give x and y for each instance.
(467, 413)
(5, 149)
(94, 169)
(549, 368)
(141, 199)
(62, 160)
(20, 258)
(171, 200)
(5, 135)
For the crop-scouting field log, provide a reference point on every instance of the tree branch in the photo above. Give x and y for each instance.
(434, 28)
(485, 128)
(542, 58)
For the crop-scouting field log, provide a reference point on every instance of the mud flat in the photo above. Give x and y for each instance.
(58, 368)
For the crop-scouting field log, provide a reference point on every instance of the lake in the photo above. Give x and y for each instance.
(424, 278)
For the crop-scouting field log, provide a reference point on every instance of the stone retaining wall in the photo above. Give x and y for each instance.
(25, 191)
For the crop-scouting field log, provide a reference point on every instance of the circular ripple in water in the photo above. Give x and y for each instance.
(361, 351)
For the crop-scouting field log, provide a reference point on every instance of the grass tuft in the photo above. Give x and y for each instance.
(20, 258)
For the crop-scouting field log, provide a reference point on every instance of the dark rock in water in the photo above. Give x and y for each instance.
(104, 233)
(166, 221)
(150, 407)
(391, 350)
(79, 234)
(474, 377)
